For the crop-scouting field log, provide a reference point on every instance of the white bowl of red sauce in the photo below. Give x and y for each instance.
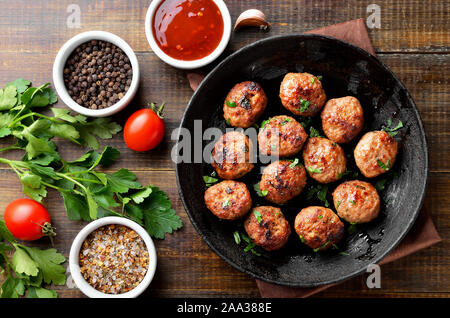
(188, 34)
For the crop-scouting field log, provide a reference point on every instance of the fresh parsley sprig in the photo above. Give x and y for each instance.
(392, 131)
(88, 193)
(320, 191)
(29, 269)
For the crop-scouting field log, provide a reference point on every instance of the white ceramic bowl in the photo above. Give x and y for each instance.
(69, 47)
(194, 63)
(74, 264)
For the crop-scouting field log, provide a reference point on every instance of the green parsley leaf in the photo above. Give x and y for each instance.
(302, 239)
(159, 216)
(352, 228)
(49, 262)
(258, 191)
(34, 292)
(101, 127)
(265, 122)
(76, 206)
(313, 132)
(230, 104)
(209, 181)
(314, 170)
(321, 191)
(8, 97)
(319, 77)
(393, 131)
(294, 163)
(321, 247)
(338, 204)
(237, 238)
(258, 216)
(122, 181)
(285, 121)
(225, 204)
(306, 122)
(320, 217)
(5, 234)
(352, 202)
(22, 263)
(384, 166)
(141, 195)
(380, 184)
(20, 84)
(304, 105)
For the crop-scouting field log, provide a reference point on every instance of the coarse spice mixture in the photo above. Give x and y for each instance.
(114, 259)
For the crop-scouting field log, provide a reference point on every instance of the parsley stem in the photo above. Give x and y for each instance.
(12, 147)
(77, 172)
(35, 114)
(54, 187)
(62, 175)
(86, 180)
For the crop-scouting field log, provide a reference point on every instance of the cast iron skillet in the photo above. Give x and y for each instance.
(346, 70)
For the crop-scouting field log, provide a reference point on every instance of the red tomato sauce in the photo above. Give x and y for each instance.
(188, 29)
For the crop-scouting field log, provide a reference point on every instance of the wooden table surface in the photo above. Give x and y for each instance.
(413, 40)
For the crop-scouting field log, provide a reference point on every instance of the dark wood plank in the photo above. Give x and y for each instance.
(32, 33)
(427, 77)
(406, 25)
(187, 267)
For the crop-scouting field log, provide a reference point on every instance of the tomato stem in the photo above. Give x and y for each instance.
(158, 110)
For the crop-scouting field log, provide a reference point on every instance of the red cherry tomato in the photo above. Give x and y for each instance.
(144, 130)
(27, 220)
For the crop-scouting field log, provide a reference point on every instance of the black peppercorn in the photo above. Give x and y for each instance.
(97, 74)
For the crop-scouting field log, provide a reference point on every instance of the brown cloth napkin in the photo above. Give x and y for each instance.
(423, 234)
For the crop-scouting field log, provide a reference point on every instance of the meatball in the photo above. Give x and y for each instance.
(267, 227)
(302, 94)
(281, 136)
(283, 180)
(228, 200)
(375, 153)
(318, 227)
(342, 119)
(244, 104)
(231, 155)
(324, 160)
(356, 201)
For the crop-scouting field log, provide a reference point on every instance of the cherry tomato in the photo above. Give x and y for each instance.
(144, 130)
(27, 220)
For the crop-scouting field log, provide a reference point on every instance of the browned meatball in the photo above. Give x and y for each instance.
(356, 201)
(342, 119)
(232, 155)
(318, 227)
(244, 104)
(267, 227)
(281, 136)
(283, 180)
(302, 94)
(324, 160)
(228, 200)
(375, 153)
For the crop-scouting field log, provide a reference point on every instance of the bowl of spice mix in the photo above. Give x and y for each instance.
(96, 73)
(112, 257)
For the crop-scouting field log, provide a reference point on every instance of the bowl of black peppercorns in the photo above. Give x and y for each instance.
(96, 73)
